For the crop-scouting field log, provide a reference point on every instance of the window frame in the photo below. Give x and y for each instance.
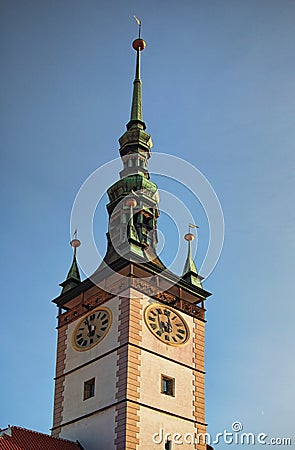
(169, 392)
(89, 389)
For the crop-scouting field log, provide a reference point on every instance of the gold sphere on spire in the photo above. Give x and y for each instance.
(139, 44)
(75, 243)
(189, 237)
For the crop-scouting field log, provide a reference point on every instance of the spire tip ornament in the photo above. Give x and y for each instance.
(138, 21)
(189, 237)
(139, 44)
(75, 243)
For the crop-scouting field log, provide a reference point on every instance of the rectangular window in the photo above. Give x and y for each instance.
(168, 385)
(89, 388)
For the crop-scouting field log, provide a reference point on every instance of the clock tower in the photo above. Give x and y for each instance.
(130, 350)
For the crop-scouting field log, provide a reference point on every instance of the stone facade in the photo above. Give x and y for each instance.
(128, 408)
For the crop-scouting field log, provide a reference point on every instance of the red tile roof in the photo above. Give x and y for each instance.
(17, 438)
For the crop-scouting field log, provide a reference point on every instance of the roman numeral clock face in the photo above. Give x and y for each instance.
(166, 324)
(92, 329)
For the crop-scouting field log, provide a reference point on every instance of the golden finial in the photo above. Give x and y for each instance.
(75, 243)
(190, 236)
(138, 44)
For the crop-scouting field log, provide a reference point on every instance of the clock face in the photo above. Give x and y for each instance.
(92, 329)
(166, 324)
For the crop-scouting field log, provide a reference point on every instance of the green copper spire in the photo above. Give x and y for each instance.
(133, 200)
(73, 277)
(190, 273)
(136, 143)
(74, 270)
(136, 106)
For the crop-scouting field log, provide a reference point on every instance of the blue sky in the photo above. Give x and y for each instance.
(219, 92)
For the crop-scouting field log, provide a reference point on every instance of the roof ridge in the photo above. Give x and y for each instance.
(43, 434)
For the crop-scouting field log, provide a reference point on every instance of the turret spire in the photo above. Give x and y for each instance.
(73, 277)
(190, 273)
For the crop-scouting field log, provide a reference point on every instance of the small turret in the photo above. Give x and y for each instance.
(190, 273)
(73, 277)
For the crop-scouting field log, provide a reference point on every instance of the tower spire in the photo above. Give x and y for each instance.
(133, 226)
(136, 106)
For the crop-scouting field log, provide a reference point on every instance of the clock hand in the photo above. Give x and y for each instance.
(92, 330)
(165, 320)
(169, 324)
(160, 324)
(88, 326)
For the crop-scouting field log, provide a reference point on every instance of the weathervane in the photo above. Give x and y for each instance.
(139, 25)
(190, 236)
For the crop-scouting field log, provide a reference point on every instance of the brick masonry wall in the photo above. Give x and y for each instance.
(128, 375)
(199, 379)
(59, 382)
